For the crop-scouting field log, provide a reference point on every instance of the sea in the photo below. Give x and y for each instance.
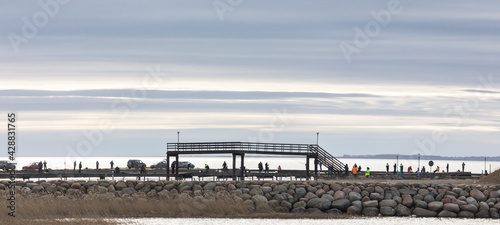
(251, 163)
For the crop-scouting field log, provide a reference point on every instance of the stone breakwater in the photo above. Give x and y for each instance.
(362, 199)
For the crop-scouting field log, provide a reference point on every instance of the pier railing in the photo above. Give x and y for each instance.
(240, 146)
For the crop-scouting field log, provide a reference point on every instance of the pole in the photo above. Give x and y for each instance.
(397, 164)
(418, 175)
(317, 138)
(178, 137)
(485, 165)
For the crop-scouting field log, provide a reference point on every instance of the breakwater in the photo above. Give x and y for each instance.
(361, 199)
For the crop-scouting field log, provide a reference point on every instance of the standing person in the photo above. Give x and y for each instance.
(74, 165)
(387, 169)
(80, 167)
(224, 166)
(359, 169)
(346, 167)
(112, 164)
(367, 173)
(267, 167)
(395, 168)
(320, 166)
(279, 168)
(40, 167)
(96, 165)
(44, 165)
(401, 166)
(463, 167)
(143, 169)
(355, 170)
(173, 167)
(447, 167)
(423, 169)
(260, 167)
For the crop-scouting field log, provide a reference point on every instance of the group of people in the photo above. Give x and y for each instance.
(356, 170)
(42, 166)
(261, 167)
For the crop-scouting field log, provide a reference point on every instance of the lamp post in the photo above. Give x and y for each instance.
(178, 137)
(418, 175)
(317, 138)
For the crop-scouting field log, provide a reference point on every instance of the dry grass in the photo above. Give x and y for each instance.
(493, 178)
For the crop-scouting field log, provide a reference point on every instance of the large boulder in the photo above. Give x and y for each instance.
(373, 203)
(353, 210)
(483, 214)
(209, 186)
(300, 192)
(435, 206)
(370, 211)
(407, 201)
(420, 212)
(478, 195)
(341, 204)
(76, 185)
(388, 203)
(452, 207)
(469, 208)
(465, 214)
(120, 185)
(447, 214)
(319, 203)
(354, 196)
(387, 211)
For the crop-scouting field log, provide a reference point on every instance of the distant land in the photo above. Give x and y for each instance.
(424, 157)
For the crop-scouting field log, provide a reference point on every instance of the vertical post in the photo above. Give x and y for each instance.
(316, 165)
(419, 169)
(397, 164)
(168, 168)
(178, 138)
(242, 166)
(317, 138)
(177, 167)
(307, 167)
(484, 165)
(234, 166)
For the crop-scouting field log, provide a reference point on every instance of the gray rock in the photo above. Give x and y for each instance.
(370, 211)
(209, 186)
(37, 189)
(436, 206)
(358, 204)
(339, 195)
(313, 210)
(478, 195)
(286, 204)
(471, 200)
(407, 192)
(447, 214)
(251, 206)
(329, 197)
(388, 203)
(300, 204)
(469, 208)
(354, 196)
(259, 200)
(387, 211)
(120, 185)
(310, 195)
(465, 214)
(334, 211)
(495, 194)
(300, 192)
(457, 190)
(299, 210)
(452, 207)
(373, 203)
(266, 189)
(353, 210)
(129, 191)
(319, 203)
(376, 196)
(420, 212)
(421, 204)
(423, 192)
(341, 204)
(484, 206)
(429, 198)
(483, 214)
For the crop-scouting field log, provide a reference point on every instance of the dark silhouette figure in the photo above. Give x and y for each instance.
(359, 169)
(40, 165)
(387, 168)
(463, 167)
(112, 164)
(267, 167)
(224, 166)
(80, 168)
(401, 168)
(260, 167)
(143, 169)
(395, 166)
(173, 167)
(44, 165)
(320, 166)
(96, 165)
(447, 167)
(346, 167)
(117, 170)
(74, 165)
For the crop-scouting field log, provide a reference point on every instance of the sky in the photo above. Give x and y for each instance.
(121, 78)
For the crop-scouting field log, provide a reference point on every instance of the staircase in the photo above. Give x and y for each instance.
(327, 159)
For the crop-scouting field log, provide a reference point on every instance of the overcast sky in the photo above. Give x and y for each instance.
(120, 78)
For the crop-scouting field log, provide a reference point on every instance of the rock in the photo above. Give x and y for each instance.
(37, 189)
(484, 206)
(341, 204)
(313, 210)
(119, 185)
(483, 214)
(388, 203)
(370, 211)
(407, 192)
(299, 210)
(407, 201)
(129, 191)
(358, 204)
(469, 208)
(429, 198)
(286, 204)
(310, 195)
(387, 211)
(353, 210)
(319, 203)
(478, 195)
(266, 189)
(339, 195)
(300, 192)
(300, 204)
(259, 200)
(465, 214)
(452, 207)
(209, 186)
(329, 197)
(336, 187)
(436, 206)
(421, 204)
(250, 205)
(76, 185)
(471, 200)
(420, 212)
(495, 194)
(457, 190)
(373, 203)
(447, 214)
(354, 196)
(423, 192)
(334, 211)
(376, 196)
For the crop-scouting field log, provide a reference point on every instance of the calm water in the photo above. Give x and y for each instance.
(360, 221)
(252, 162)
